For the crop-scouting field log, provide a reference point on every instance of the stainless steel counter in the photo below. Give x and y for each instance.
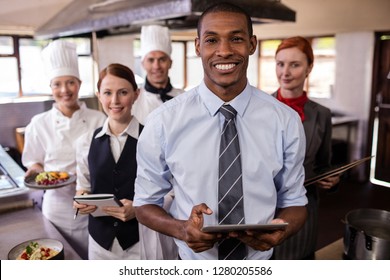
(22, 225)
(20, 216)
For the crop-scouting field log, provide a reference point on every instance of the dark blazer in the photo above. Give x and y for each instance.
(318, 131)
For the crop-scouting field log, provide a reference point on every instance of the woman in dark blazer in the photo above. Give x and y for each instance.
(294, 62)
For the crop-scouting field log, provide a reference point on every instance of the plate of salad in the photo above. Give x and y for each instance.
(49, 180)
(38, 249)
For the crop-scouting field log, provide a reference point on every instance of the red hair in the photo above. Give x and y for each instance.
(298, 42)
(120, 71)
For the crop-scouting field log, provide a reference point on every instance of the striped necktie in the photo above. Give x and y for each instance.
(230, 195)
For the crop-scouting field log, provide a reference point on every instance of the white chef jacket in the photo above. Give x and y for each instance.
(154, 245)
(147, 102)
(50, 140)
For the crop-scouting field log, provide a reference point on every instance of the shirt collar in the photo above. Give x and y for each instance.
(213, 102)
(132, 129)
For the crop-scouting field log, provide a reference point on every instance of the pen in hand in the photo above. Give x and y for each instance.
(77, 209)
(75, 214)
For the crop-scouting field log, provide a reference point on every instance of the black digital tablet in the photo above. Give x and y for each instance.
(242, 227)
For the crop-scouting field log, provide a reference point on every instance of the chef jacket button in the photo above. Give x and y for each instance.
(116, 171)
(115, 224)
(116, 190)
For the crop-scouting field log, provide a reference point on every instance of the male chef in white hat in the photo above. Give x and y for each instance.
(50, 140)
(156, 59)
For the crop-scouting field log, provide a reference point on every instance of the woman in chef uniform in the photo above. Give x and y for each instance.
(50, 140)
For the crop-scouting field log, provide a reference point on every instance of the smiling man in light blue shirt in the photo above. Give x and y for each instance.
(179, 149)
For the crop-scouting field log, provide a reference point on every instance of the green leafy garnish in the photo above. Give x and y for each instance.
(31, 247)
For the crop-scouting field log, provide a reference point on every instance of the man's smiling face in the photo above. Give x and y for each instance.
(224, 44)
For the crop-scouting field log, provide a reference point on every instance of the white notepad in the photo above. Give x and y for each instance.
(100, 200)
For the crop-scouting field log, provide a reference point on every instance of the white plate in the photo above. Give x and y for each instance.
(30, 182)
(46, 242)
(242, 227)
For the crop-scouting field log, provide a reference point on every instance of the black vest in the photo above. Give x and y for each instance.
(117, 178)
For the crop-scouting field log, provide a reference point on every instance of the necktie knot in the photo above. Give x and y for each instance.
(228, 112)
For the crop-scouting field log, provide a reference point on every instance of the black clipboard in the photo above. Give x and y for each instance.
(336, 171)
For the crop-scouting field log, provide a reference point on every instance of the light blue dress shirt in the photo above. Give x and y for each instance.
(179, 148)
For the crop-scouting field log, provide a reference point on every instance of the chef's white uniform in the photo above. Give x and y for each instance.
(147, 102)
(154, 245)
(50, 140)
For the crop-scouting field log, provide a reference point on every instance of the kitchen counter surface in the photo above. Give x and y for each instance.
(333, 251)
(25, 224)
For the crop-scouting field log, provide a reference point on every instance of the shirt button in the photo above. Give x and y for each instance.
(115, 224)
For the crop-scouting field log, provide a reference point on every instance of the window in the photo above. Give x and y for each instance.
(268, 80)
(322, 77)
(33, 77)
(9, 86)
(194, 66)
(252, 72)
(25, 54)
(6, 45)
(321, 80)
(177, 71)
(86, 66)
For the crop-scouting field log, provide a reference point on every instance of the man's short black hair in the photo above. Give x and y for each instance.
(226, 7)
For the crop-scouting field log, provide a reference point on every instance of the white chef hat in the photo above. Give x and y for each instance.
(60, 59)
(155, 38)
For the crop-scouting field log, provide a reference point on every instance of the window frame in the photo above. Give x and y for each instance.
(259, 56)
(16, 54)
(307, 82)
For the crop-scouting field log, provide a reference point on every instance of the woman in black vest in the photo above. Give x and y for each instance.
(107, 164)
